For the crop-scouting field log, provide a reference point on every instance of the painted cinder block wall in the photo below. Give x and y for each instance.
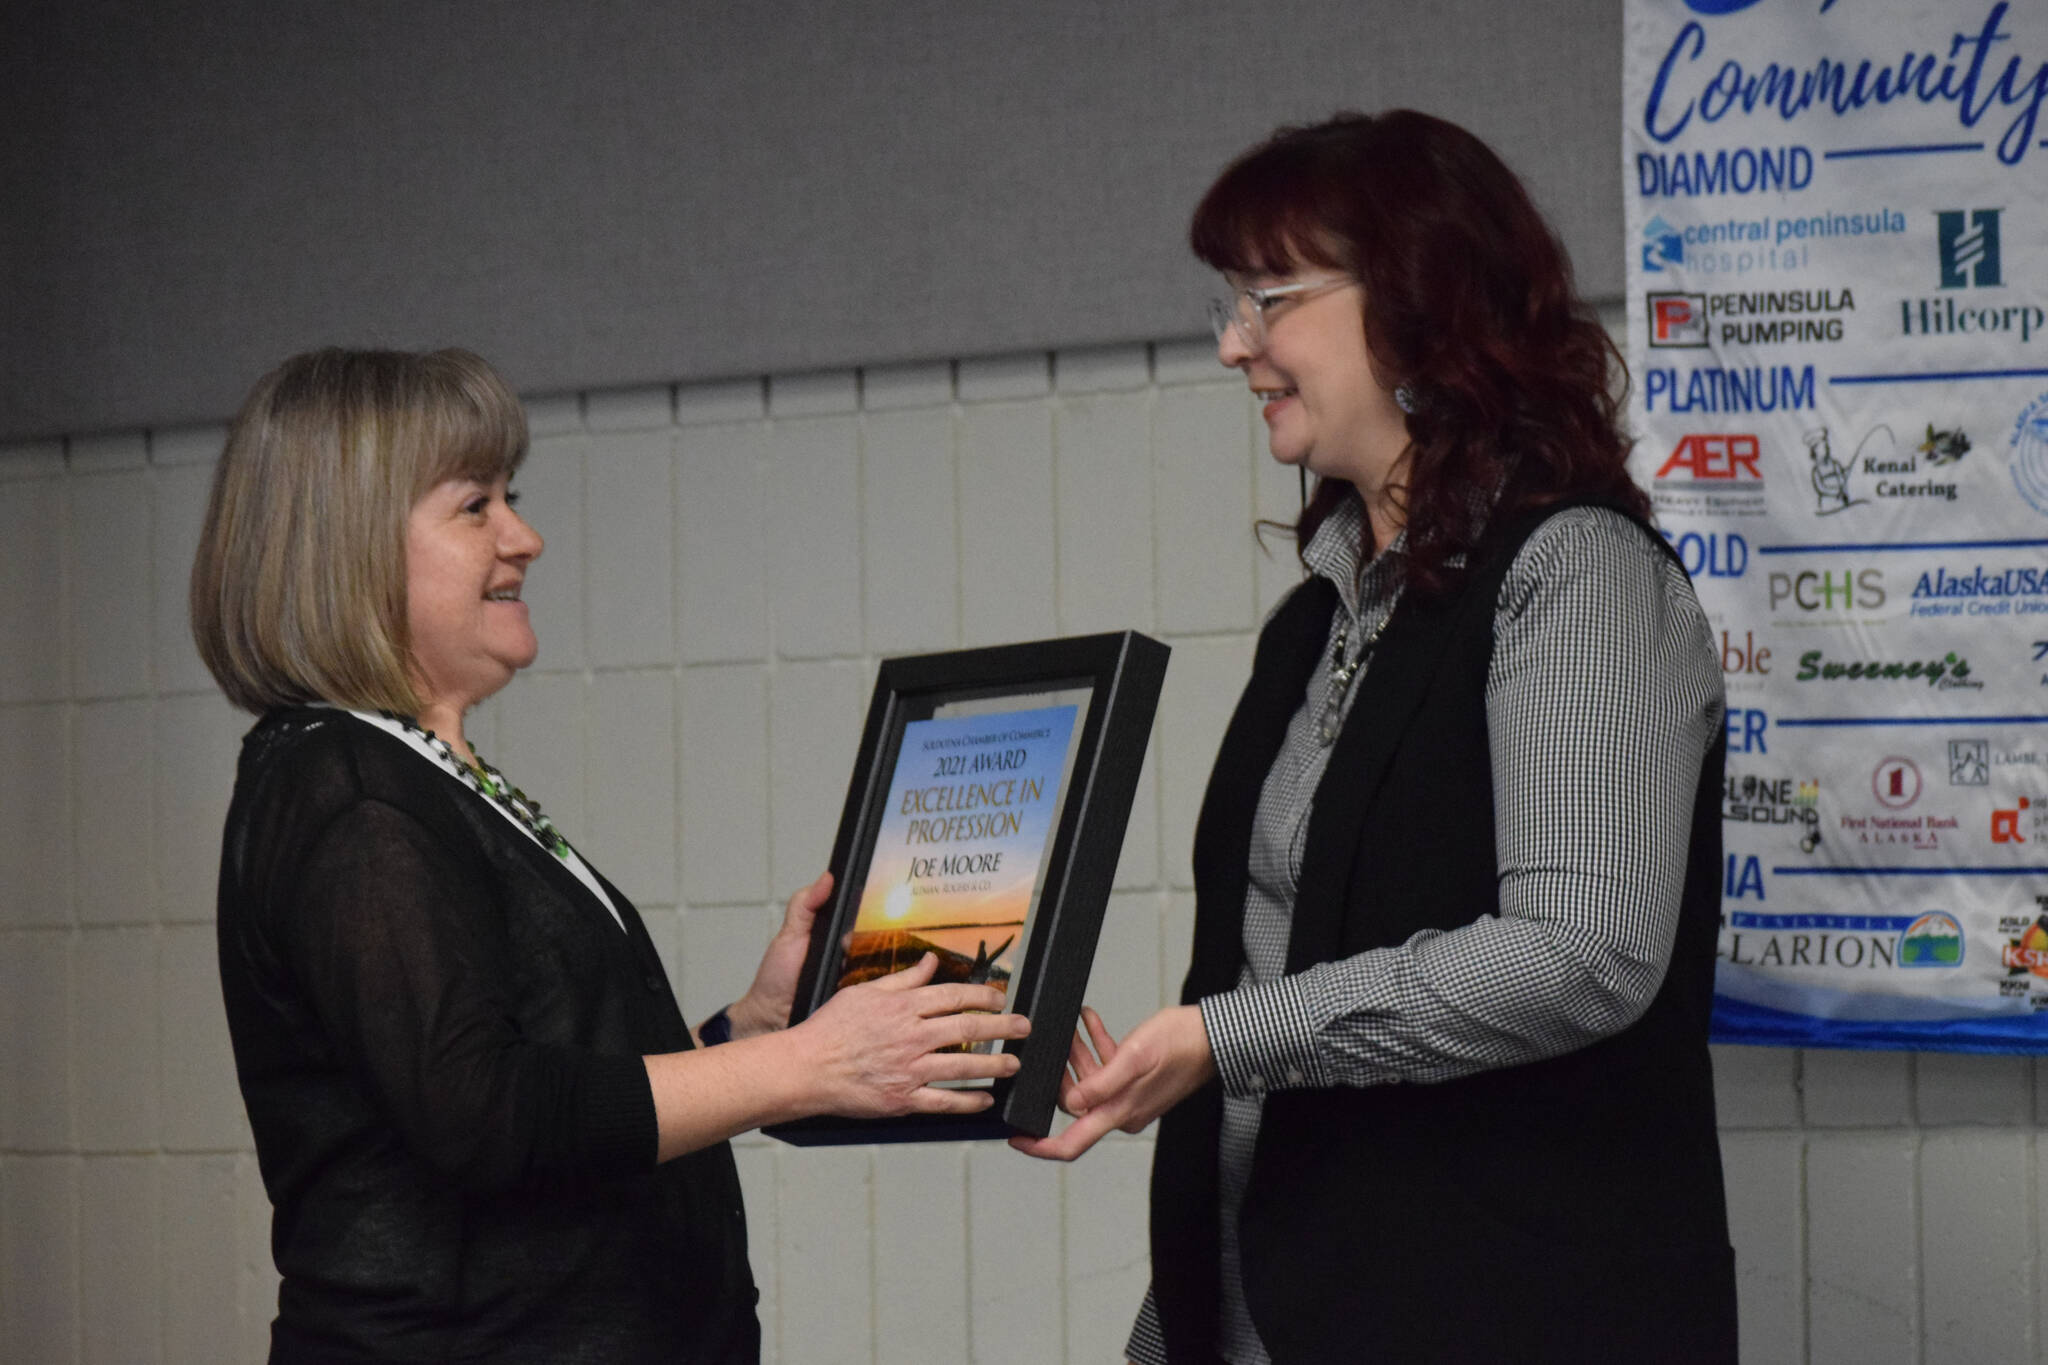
(725, 564)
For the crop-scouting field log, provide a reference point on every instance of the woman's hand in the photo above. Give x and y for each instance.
(872, 1049)
(1159, 1063)
(766, 1005)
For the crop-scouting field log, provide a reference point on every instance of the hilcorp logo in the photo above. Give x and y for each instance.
(1968, 257)
(1748, 319)
(1693, 83)
(1740, 246)
(1968, 254)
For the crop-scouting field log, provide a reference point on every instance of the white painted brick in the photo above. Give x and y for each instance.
(550, 487)
(826, 1256)
(994, 378)
(723, 547)
(1013, 1242)
(646, 408)
(542, 746)
(553, 414)
(39, 1259)
(1104, 475)
(1202, 493)
(188, 445)
(1756, 1087)
(886, 388)
(632, 783)
(909, 547)
(256, 1279)
(1976, 1244)
(814, 721)
(1186, 362)
(107, 548)
(1862, 1286)
(202, 1104)
(1108, 1258)
(1123, 985)
(719, 949)
(1138, 863)
(112, 744)
(197, 1238)
(764, 1251)
(35, 1021)
(35, 811)
(725, 785)
(104, 451)
(1006, 524)
(120, 1301)
(630, 556)
(1176, 945)
(114, 1035)
(723, 400)
(1851, 1089)
(1102, 369)
(920, 1230)
(1202, 687)
(179, 513)
(1762, 1175)
(820, 393)
(1277, 494)
(1960, 1087)
(814, 532)
(198, 740)
(31, 459)
(33, 616)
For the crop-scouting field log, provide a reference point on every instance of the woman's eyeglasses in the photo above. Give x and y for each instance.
(1245, 309)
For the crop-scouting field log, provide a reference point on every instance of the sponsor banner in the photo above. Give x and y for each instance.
(1838, 332)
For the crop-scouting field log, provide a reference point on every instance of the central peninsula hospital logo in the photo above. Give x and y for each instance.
(1967, 241)
(1663, 246)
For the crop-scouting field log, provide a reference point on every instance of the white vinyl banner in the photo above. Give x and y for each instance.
(1838, 334)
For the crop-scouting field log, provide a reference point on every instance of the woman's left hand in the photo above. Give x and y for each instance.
(1159, 1063)
(766, 1005)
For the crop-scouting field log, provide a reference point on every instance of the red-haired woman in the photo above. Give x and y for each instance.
(1438, 1088)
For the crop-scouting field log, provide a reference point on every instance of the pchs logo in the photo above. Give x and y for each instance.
(1715, 458)
(1677, 319)
(1967, 241)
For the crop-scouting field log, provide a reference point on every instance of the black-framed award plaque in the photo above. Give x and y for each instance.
(982, 824)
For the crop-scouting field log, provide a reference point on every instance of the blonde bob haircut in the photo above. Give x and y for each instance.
(298, 590)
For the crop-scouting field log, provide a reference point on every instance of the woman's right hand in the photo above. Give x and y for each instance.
(872, 1050)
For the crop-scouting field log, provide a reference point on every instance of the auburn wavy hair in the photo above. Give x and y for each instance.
(1469, 300)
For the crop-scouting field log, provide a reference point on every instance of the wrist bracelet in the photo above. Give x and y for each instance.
(715, 1030)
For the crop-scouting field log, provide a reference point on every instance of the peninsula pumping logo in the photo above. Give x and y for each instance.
(1753, 318)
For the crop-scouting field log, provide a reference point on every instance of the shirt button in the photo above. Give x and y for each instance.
(1258, 1082)
(1294, 1076)
(653, 980)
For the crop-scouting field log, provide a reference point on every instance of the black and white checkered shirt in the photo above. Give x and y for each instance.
(1602, 698)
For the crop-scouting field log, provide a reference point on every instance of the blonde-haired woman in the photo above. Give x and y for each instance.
(485, 1127)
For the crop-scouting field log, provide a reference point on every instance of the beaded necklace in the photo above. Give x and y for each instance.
(487, 782)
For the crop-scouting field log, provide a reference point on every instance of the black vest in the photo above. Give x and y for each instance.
(1568, 1210)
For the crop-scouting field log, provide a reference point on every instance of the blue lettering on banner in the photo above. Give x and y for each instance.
(1977, 582)
(1754, 919)
(1744, 877)
(1754, 388)
(1745, 727)
(1848, 86)
(1715, 554)
(1744, 170)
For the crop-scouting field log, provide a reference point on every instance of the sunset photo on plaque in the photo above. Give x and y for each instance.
(960, 853)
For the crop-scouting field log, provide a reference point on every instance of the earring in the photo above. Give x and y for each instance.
(1404, 399)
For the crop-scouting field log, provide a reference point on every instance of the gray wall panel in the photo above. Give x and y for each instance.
(627, 192)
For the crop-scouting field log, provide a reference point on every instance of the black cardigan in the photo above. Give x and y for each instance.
(438, 1033)
(1568, 1210)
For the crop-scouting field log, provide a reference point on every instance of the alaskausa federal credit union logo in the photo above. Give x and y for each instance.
(1967, 243)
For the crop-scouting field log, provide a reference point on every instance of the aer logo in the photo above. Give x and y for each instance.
(1704, 457)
